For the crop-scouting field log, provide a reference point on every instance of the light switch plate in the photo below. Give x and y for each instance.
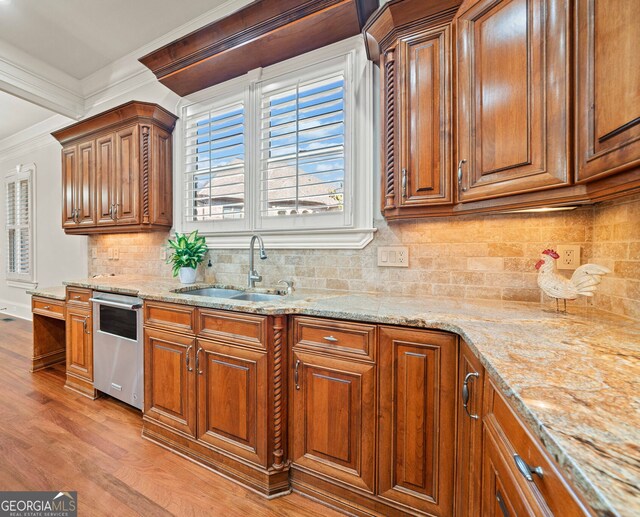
(393, 256)
(116, 254)
(569, 257)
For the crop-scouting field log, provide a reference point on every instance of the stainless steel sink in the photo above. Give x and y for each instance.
(214, 292)
(257, 297)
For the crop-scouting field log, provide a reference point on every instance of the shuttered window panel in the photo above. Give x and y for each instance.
(215, 163)
(302, 148)
(19, 227)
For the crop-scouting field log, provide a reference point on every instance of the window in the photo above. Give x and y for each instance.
(285, 151)
(19, 224)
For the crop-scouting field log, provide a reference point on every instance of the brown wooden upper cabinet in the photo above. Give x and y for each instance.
(413, 44)
(506, 104)
(116, 171)
(513, 111)
(608, 87)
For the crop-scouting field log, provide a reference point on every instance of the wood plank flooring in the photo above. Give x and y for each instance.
(54, 439)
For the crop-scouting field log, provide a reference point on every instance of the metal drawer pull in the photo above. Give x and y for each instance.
(77, 297)
(296, 375)
(198, 361)
(46, 307)
(330, 339)
(189, 369)
(525, 469)
(465, 392)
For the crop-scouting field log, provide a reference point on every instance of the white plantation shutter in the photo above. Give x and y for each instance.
(19, 226)
(303, 148)
(215, 163)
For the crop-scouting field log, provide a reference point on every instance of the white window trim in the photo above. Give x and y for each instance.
(359, 232)
(18, 280)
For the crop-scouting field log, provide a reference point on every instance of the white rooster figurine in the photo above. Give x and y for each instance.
(583, 282)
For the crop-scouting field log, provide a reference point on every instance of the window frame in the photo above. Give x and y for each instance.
(20, 173)
(355, 229)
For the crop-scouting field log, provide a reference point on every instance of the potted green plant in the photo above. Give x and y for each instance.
(187, 252)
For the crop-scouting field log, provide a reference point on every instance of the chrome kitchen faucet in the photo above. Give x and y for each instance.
(253, 276)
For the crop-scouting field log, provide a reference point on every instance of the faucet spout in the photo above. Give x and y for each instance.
(253, 275)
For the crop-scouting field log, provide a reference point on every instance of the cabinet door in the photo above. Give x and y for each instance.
(127, 176)
(470, 389)
(512, 97)
(608, 108)
(232, 399)
(170, 380)
(160, 200)
(417, 418)
(69, 168)
(105, 180)
(79, 343)
(425, 114)
(84, 184)
(334, 418)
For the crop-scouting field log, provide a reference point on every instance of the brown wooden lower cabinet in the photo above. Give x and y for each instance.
(79, 337)
(372, 419)
(469, 447)
(170, 380)
(221, 401)
(233, 399)
(334, 418)
(518, 476)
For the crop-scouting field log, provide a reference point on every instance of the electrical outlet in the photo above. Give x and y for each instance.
(393, 256)
(94, 253)
(569, 257)
(110, 253)
(163, 254)
(116, 254)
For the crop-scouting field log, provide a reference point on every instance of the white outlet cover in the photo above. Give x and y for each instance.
(569, 257)
(393, 256)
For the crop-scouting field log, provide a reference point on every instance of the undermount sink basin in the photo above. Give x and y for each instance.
(257, 297)
(215, 292)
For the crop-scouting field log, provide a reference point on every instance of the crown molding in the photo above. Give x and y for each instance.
(35, 81)
(32, 138)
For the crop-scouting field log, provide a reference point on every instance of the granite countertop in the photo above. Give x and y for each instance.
(574, 378)
(53, 293)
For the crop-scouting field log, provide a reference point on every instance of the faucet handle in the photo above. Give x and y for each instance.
(289, 284)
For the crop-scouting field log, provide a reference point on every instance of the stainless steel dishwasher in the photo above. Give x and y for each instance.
(118, 367)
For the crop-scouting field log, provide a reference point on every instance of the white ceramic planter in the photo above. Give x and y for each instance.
(187, 275)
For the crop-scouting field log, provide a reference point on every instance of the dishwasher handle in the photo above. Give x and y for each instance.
(119, 305)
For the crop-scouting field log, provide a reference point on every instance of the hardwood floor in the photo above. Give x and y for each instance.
(54, 439)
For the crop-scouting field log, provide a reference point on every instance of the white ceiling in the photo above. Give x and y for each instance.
(16, 114)
(80, 37)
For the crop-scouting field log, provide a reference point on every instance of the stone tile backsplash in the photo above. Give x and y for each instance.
(486, 256)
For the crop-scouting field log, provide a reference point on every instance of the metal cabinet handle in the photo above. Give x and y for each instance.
(404, 183)
(77, 297)
(46, 308)
(465, 392)
(111, 211)
(525, 469)
(296, 374)
(189, 369)
(331, 339)
(115, 211)
(200, 372)
(84, 325)
(503, 507)
(460, 164)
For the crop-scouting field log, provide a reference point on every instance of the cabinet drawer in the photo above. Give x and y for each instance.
(242, 329)
(176, 318)
(550, 488)
(48, 307)
(340, 337)
(78, 296)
